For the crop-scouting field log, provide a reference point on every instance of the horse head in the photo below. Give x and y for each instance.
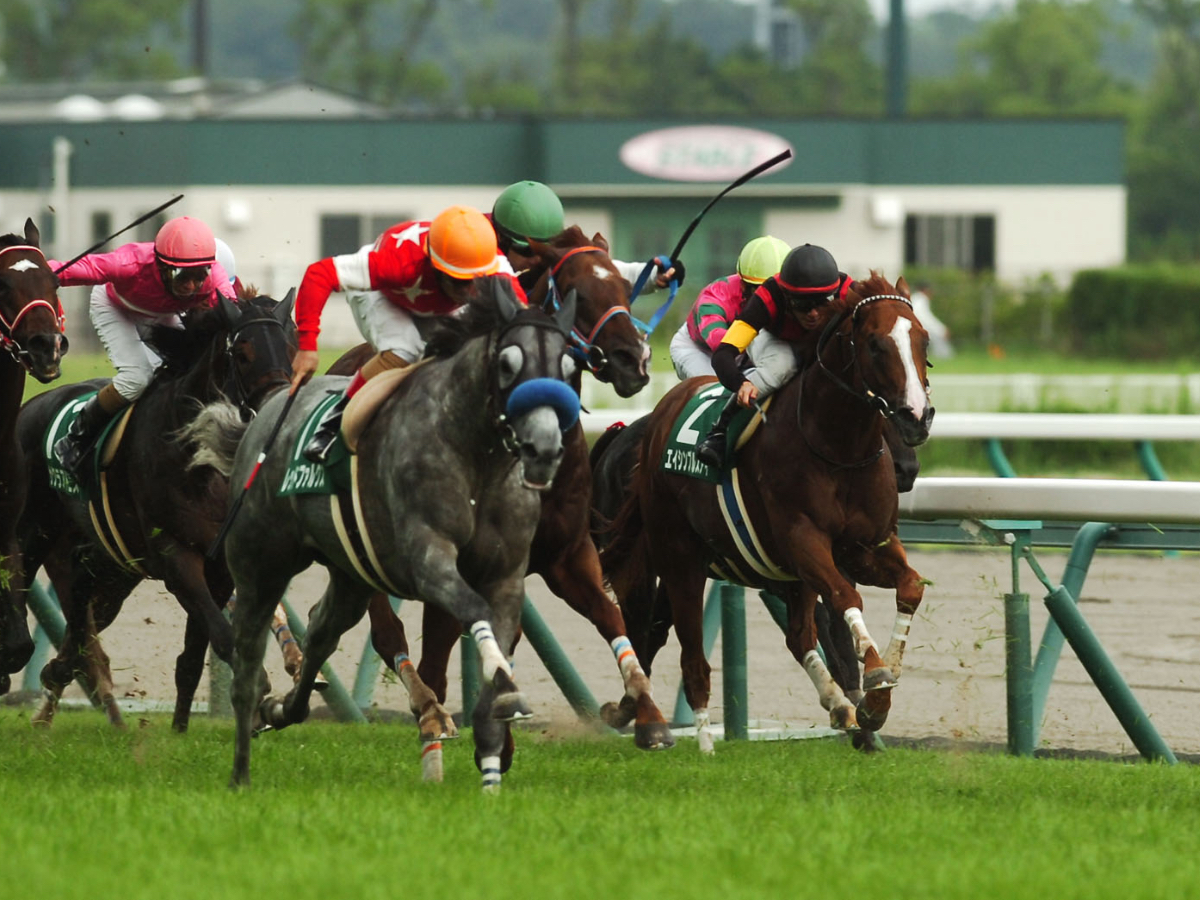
(31, 317)
(889, 347)
(261, 345)
(604, 335)
(530, 370)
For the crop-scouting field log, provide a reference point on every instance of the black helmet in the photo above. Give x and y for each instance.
(809, 269)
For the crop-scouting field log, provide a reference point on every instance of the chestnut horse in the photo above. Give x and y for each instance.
(818, 505)
(31, 321)
(611, 347)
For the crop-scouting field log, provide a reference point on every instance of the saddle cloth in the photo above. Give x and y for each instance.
(695, 421)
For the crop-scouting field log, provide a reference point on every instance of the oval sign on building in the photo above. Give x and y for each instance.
(701, 152)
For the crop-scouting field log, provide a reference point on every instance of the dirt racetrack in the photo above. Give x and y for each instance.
(1144, 608)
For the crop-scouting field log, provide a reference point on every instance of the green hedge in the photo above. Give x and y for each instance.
(1143, 311)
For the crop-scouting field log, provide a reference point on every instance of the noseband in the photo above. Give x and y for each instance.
(865, 394)
(8, 340)
(497, 398)
(276, 361)
(583, 348)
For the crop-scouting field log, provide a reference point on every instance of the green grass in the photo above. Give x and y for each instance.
(338, 811)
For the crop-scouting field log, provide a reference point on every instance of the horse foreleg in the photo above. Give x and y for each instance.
(576, 577)
(251, 619)
(802, 642)
(685, 590)
(189, 667)
(887, 566)
(492, 731)
(99, 672)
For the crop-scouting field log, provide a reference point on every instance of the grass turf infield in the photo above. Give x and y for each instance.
(340, 811)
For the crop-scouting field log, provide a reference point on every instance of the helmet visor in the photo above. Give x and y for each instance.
(803, 303)
(184, 282)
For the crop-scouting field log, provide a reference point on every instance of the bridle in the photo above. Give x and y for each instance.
(865, 395)
(583, 347)
(497, 397)
(8, 340)
(276, 361)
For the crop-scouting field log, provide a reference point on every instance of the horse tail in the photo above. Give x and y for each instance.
(216, 432)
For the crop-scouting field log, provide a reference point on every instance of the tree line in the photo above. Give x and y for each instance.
(1059, 58)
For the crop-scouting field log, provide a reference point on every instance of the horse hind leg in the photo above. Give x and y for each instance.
(802, 642)
(189, 667)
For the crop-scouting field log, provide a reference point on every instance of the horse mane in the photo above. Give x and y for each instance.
(873, 286)
(571, 236)
(182, 348)
(481, 315)
(12, 240)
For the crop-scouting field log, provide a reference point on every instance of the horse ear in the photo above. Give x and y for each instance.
(33, 237)
(230, 311)
(599, 241)
(564, 316)
(283, 310)
(507, 304)
(902, 287)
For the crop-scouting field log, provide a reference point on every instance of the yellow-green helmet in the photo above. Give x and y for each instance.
(761, 258)
(527, 209)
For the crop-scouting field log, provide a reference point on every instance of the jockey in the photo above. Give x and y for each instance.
(412, 273)
(783, 309)
(529, 209)
(718, 305)
(138, 284)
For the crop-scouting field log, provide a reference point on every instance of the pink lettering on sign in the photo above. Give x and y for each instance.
(701, 152)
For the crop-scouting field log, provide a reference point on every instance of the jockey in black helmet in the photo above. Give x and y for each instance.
(784, 309)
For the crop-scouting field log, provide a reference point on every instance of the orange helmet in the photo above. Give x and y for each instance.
(462, 243)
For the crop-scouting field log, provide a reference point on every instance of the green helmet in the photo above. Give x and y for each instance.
(761, 258)
(527, 209)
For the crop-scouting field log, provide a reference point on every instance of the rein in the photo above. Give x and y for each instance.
(8, 340)
(583, 348)
(866, 394)
(277, 360)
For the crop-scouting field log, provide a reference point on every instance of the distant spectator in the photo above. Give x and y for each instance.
(939, 334)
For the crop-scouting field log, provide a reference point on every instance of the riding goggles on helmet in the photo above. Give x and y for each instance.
(189, 275)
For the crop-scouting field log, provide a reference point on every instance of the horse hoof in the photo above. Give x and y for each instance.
(510, 707)
(617, 715)
(873, 711)
(867, 742)
(320, 685)
(653, 736)
(843, 719)
(878, 679)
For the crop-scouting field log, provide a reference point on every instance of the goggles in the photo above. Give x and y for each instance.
(806, 303)
(192, 275)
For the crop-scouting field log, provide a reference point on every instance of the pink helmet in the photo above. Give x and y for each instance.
(185, 242)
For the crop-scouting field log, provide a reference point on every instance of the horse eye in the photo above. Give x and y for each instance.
(569, 368)
(510, 360)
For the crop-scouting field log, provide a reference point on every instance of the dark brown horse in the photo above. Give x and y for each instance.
(612, 348)
(155, 516)
(810, 507)
(31, 337)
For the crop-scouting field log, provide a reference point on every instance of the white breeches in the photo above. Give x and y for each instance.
(774, 362)
(690, 358)
(134, 361)
(386, 326)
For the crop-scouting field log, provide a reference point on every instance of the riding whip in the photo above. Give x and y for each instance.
(133, 224)
(645, 275)
(215, 547)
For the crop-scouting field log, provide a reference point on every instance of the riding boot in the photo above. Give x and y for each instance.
(72, 449)
(711, 450)
(318, 447)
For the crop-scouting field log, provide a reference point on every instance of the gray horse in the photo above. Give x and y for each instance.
(448, 474)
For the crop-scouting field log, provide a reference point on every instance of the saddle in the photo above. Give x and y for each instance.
(363, 405)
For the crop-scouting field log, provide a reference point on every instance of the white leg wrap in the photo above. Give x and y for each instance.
(490, 767)
(490, 657)
(704, 735)
(862, 640)
(627, 660)
(431, 761)
(895, 649)
(822, 680)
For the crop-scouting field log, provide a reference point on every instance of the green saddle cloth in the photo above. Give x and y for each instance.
(60, 479)
(691, 427)
(305, 477)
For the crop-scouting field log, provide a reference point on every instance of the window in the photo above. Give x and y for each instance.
(148, 230)
(955, 242)
(102, 225)
(725, 242)
(346, 233)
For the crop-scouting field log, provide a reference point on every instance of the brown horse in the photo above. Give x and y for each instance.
(612, 348)
(31, 321)
(810, 507)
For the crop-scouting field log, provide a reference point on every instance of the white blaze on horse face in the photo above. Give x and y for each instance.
(600, 272)
(22, 265)
(914, 390)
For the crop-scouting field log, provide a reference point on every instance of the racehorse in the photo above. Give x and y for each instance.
(446, 491)
(610, 346)
(809, 508)
(153, 517)
(31, 322)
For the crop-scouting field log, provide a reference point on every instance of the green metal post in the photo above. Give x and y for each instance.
(366, 676)
(542, 639)
(1018, 666)
(1083, 549)
(32, 680)
(712, 626)
(470, 677)
(995, 455)
(220, 680)
(335, 696)
(1149, 460)
(777, 608)
(1102, 671)
(733, 662)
